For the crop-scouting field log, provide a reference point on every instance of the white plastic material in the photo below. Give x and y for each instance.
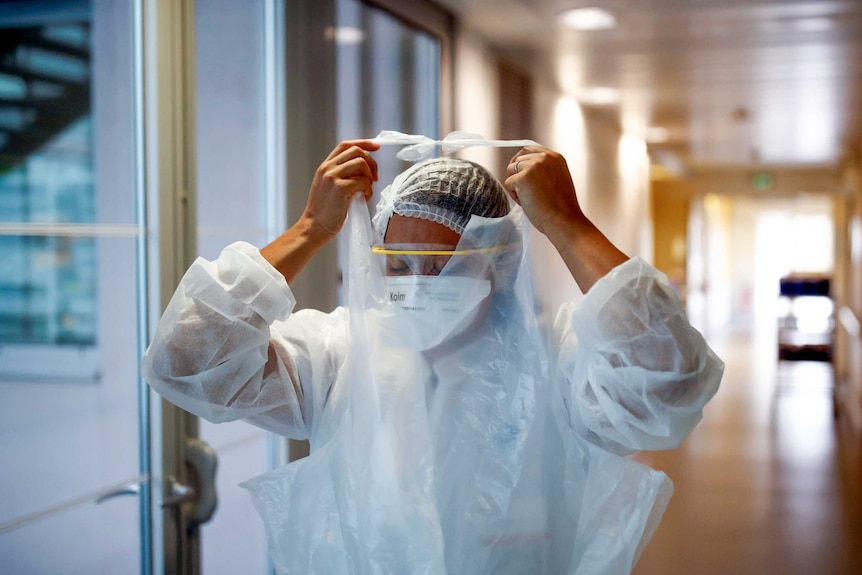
(497, 452)
(417, 148)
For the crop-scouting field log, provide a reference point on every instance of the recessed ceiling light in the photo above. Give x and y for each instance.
(587, 19)
(656, 135)
(599, 96)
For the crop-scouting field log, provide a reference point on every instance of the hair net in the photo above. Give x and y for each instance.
(446, 191)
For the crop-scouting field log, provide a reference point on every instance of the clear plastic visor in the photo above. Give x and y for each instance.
(435, 259)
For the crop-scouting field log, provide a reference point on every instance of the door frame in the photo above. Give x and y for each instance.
(165, 58)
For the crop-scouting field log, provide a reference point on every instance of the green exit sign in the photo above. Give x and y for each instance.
(762, 181)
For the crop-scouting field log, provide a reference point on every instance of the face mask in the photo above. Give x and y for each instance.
(423, 311)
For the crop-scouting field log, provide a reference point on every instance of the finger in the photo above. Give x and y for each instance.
(351, 186)
(510, 186)
(338, 149)
(529, 154)
(527, 150)
(518, 165)
(368, 145)
(355, 168)
(355, 152)
(518, 154)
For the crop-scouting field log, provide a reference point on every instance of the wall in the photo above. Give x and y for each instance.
(669, 205)
(848, 360)
(610, 169)
(611, 175)
(476, 95)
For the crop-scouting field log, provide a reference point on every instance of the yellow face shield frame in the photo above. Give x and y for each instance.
(387, 251)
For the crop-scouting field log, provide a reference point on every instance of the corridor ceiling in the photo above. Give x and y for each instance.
(732, 82)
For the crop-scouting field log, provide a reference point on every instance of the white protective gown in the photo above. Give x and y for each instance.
(502, 453)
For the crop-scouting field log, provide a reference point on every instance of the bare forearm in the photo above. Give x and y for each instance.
(586, 251)
(347, 171)
(539, 181)
(291, 251)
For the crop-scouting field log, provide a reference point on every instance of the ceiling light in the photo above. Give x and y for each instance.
(656, 135)
(599, 96)
(587, 19)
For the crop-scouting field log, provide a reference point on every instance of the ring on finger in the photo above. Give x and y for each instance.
(516, 166)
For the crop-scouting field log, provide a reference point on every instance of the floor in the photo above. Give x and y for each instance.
(769, 482)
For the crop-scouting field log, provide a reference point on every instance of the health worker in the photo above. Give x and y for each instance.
(450, 433)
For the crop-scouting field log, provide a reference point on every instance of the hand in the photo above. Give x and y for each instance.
(539, 181)
(348, 170)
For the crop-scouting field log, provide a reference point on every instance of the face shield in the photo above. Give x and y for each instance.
(427, 294)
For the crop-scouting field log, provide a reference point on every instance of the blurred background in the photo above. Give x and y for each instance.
(719, 140)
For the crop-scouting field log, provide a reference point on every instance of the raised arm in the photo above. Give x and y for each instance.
(229, 347)
(539, 181)
(348, 170)
(637, 373)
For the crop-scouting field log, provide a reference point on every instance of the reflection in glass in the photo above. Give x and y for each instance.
(47, 281)
(388, 77)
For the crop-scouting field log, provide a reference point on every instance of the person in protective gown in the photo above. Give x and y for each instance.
(449, 433)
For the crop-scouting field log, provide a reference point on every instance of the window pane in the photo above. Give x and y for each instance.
(232, 200)
(48, 283)
(68, 289)
(388, 79)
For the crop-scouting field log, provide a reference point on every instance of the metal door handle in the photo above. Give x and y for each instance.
(201, 460)
(179, 493)
(129, 489)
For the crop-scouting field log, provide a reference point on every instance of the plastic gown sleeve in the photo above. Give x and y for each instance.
(635, 374)
(228, 347)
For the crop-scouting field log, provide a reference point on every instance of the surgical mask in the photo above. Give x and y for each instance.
(423, 311)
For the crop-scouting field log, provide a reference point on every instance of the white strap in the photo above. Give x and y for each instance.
(417, 148)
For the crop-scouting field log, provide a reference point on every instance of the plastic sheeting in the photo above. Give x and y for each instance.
(492, 454)
(417, 147)
(500, 451)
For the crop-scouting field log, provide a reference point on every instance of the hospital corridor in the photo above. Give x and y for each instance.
(463, 287)
(770, 482)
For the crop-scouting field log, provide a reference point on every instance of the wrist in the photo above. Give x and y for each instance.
(312, 231)
(566, 228)
(292, 250)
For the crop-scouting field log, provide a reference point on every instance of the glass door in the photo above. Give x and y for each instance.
(71, 433)
(212, 179)
(105, 198)
(239, 175)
